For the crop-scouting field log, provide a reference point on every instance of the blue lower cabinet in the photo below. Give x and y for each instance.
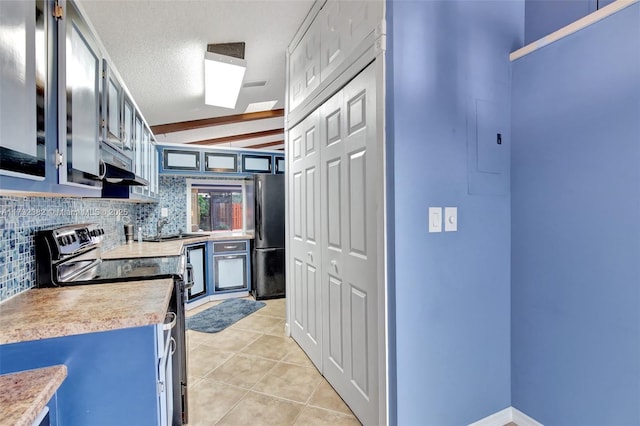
(48, 416)
(53, 410)
(112, 376)
(231, 266)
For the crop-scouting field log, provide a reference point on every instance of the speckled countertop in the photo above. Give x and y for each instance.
(165, 248)
(42, 313)
(24, 394)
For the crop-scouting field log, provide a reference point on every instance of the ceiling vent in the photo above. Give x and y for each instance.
(257, 83)
(235, 50)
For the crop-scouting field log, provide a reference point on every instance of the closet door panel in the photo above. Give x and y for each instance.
(304, 203)
(349, 256)
(344, 24)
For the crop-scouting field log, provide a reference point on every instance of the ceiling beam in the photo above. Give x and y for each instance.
(265, 145)
(235, 138)
(162, 129)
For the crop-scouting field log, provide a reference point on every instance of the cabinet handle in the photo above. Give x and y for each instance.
(102, 169)
(59, 160)
(230, 247)
(335, 265)
(173, 345)
(169, 325)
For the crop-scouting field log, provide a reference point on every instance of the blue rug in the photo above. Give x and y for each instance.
(221, 316)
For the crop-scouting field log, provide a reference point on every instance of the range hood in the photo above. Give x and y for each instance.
(119, 176)
(117, 168)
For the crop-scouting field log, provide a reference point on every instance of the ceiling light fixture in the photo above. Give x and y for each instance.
(260, 106)
(224, 68)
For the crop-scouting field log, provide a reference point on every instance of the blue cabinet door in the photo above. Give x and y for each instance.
(27, 119)
(230, 272)
(197, 258)
(79, 90)
(280, 164)
(180, 160)
(220, 162)
(257, 163)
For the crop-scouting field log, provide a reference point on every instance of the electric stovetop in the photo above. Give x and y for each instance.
(122, 270)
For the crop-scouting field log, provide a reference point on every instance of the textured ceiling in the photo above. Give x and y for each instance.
(158, 48)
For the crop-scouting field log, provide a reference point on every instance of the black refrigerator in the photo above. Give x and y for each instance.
(268, 253)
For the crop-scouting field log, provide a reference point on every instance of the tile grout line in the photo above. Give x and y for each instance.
(257, 381)
(281, 360)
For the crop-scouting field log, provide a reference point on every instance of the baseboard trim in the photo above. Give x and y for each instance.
(500, 418)
(521, 419)
(505, 416)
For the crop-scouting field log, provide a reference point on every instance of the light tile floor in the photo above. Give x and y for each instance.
(252, 374)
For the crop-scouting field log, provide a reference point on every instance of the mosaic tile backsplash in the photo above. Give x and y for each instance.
(21, 217)
(173, 196)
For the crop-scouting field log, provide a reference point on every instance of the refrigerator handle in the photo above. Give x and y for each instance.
(259, 210)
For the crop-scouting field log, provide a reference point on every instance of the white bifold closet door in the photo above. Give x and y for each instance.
(333, 186)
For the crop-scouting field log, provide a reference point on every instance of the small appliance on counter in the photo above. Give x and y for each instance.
(128, 233)
(268, 249)
(70, 255)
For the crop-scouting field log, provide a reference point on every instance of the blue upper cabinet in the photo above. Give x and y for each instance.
(279, 164)
(220, 162)
(257, 163)
(27, 117)
(79, 100)
(176, 160)
(64, 110)
(194, 161)
(112, 108)
(49, 127)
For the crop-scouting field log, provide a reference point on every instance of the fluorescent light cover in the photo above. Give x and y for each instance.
(222, 79)
(261, 106)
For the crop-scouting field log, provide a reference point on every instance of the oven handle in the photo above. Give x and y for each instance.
(75, 275)
(172, 323)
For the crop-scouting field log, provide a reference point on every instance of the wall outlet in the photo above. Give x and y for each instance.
(164, 212)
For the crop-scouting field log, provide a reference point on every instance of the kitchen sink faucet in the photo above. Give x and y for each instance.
(161, 222)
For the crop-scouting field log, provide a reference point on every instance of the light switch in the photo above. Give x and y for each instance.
(164, 212)
(450, 219)
(435, 219)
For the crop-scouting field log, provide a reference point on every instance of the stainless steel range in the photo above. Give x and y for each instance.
(70, 255)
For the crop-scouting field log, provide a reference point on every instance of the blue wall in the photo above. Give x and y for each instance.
(452, 290)
(576, 227)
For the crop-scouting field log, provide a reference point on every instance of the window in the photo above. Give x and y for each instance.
(220, 206)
